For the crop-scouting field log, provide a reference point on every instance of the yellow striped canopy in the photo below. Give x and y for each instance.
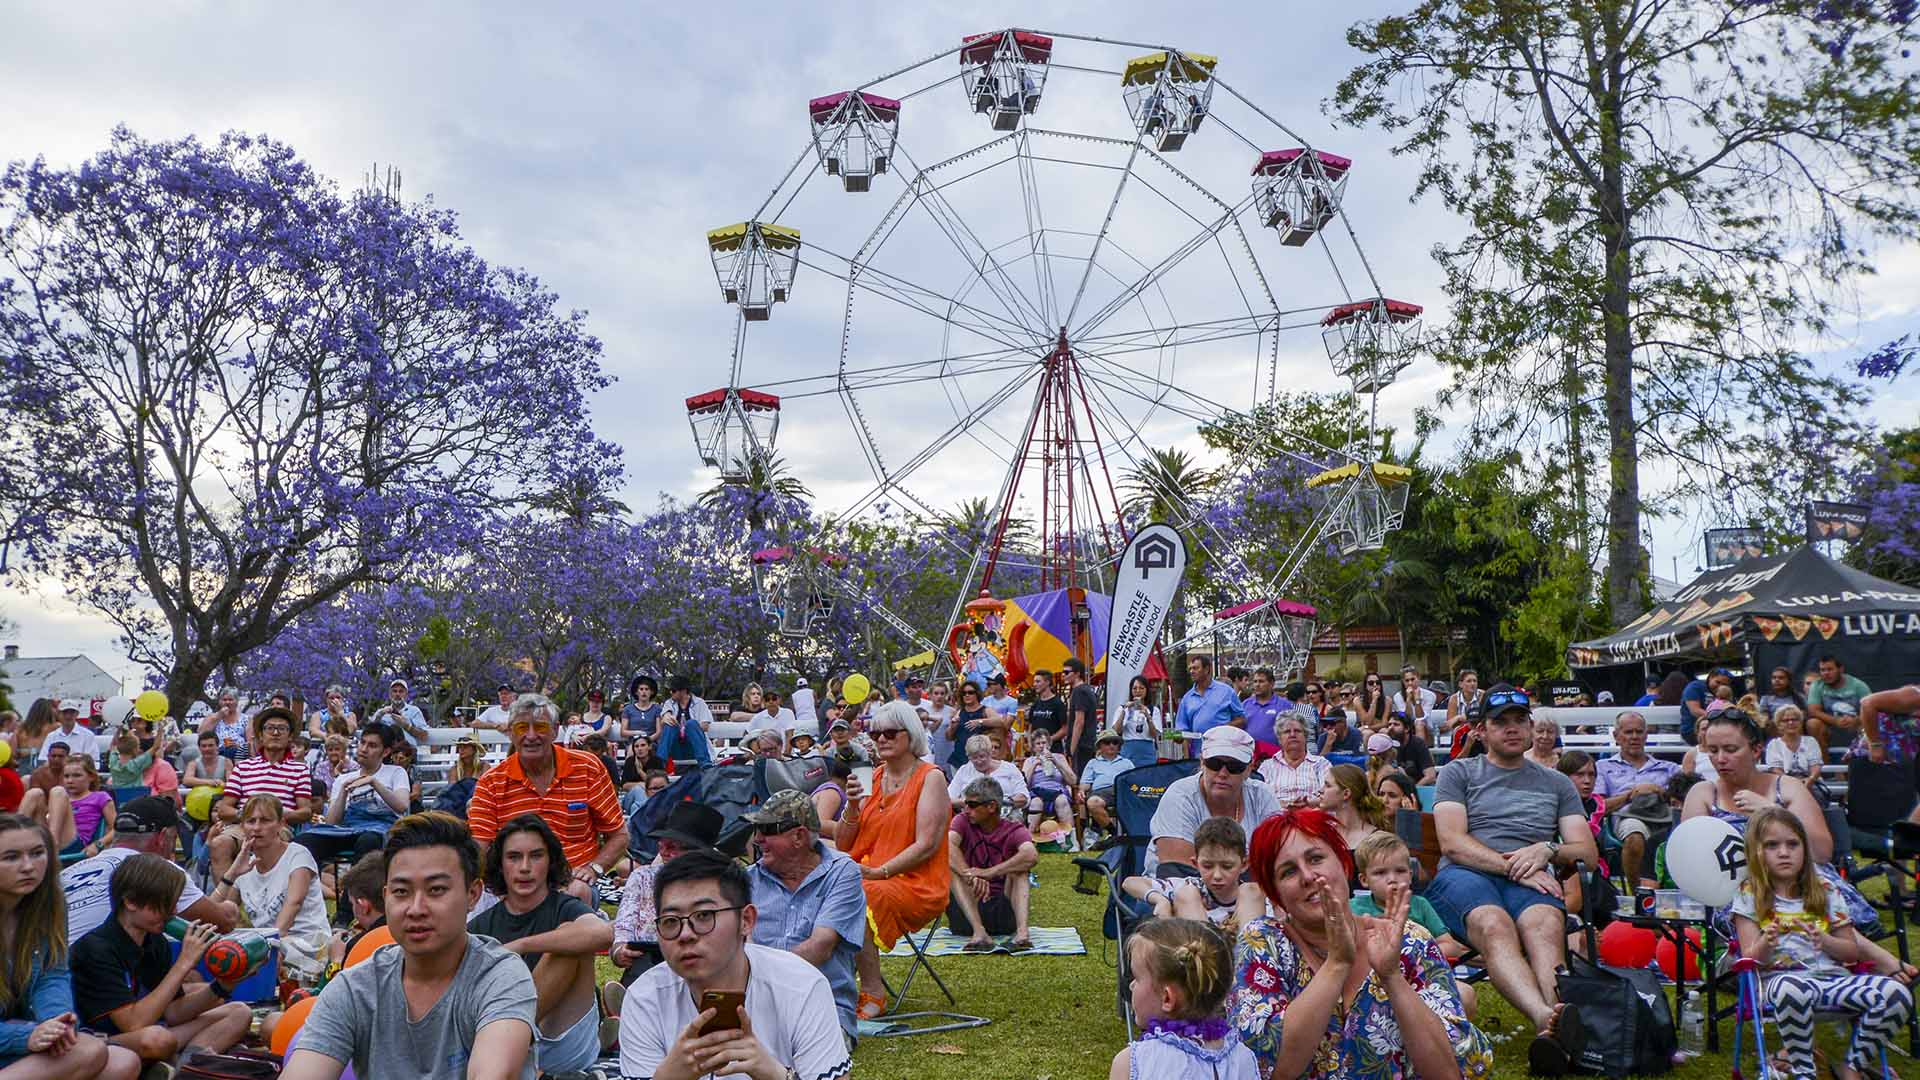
(1383, 472)
(917, 660)
(730, 237)
(1193, 67)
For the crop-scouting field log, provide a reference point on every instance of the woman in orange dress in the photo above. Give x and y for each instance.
(898, 836)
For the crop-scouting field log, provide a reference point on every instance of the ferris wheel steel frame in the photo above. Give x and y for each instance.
(1026, 342)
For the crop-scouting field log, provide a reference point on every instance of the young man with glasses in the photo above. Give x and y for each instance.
(1220, 789)
(808, 896)
(1506, 825)
(788, 1027)
(990, 857)
(473, 998)
(275, 771)
(567, 788)
(557, 935)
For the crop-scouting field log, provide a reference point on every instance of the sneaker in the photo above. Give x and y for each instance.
(1033, 879)
(609, 1035)
(612, 996)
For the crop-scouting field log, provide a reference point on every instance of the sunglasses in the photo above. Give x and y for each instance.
(1503, 698)
(878, 732)
(776, 828)
(522, 727)
(1227, 765)
(979, 803)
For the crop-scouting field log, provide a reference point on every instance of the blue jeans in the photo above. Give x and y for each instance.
(1140, 752)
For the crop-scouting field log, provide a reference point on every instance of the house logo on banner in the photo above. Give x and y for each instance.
(1148, 576)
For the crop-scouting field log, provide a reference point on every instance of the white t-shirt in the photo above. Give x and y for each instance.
(85, 884)
(1005, 704)
(1804, 762)
(365, 800)
(1428, 699)
(788, 1001)
(263, 893)
(1183, 808)
(781, 722)
(495, 718)
(803, 711)
(80, 740)
(1006, 773)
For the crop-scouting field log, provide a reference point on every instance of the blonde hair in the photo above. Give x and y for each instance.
(269, 803)
(1355, 783)
(336, 742)
(85, 761)
(1190, 956)
(1378, 846)
(1760, 883)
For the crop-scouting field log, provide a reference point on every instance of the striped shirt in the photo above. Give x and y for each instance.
(290, 781)
(579, 804)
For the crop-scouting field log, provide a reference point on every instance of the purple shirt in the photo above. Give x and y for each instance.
(1261, 718)
(983, 849)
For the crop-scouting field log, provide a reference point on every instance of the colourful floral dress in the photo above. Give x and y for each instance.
(1269, 972)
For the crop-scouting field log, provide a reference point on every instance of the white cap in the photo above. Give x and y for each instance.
(799, 682)
(73, 705)
(1227, 741)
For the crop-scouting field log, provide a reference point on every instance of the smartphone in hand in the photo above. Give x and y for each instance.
(726, 1006)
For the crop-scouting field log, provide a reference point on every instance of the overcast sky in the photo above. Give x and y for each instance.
(595, 146)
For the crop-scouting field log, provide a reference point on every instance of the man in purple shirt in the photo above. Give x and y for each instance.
(1633, 785)
(1263, 708)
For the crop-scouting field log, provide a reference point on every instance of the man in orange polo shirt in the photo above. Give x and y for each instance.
(567, 788)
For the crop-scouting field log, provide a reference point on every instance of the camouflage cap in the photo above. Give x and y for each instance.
(789, 807)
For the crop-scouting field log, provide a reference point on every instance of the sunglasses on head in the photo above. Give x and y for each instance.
(1502, 698)
(1224, 764)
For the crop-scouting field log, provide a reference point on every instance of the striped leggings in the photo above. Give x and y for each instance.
(1880, 1003)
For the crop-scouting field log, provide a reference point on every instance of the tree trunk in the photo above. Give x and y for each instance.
(1626, 562)
(187, 682)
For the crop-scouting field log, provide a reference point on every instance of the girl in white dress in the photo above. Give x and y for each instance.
(1182, 970)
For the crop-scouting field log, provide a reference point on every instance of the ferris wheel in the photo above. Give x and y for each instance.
(1019, 266)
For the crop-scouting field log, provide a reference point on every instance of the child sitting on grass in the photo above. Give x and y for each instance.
(1219, 847)
(1383, 862)
(1182, 970)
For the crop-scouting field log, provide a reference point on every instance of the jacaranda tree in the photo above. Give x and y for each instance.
(272, 392)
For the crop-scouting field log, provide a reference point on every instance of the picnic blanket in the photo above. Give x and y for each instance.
(1047, 941)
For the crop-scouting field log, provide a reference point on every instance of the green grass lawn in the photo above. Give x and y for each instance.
(1053, 1016)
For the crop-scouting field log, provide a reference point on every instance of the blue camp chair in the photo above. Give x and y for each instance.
(1136, 795)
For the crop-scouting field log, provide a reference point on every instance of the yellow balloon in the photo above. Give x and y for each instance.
(200, 802)
(151, 705)
(856, 688)
(6, 753)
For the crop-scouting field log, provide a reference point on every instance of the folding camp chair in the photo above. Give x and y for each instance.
(898, 1019)
(1136, 795)
(1753, 1010)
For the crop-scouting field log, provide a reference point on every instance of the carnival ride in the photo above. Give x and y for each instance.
(1044, 298)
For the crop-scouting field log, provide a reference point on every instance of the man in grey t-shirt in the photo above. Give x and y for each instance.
(480, 1019)
(1222, 788)
(1504, 823)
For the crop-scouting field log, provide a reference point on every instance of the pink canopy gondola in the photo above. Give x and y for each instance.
(1272, 160)
(1035, 48)
(1397, 310)
(821, 108)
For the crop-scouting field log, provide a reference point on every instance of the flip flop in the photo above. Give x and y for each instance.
(879, 1006)
(977, 947)
(1019, 946)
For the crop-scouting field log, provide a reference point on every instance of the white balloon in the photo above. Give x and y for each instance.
(1708, 859)
(115, 714)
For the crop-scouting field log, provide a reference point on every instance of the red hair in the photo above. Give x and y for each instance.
(1278, 829)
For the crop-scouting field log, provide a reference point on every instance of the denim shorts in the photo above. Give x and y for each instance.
(1457, 890)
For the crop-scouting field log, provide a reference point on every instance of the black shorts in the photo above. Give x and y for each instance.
(996, 914)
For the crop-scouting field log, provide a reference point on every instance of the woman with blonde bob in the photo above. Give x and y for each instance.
(276, 882)
(898, 834)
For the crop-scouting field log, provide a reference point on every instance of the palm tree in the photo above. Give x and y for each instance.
(580, 498)
(767, 481)
(975, 519)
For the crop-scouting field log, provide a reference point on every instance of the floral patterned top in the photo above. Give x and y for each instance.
(1269, 972)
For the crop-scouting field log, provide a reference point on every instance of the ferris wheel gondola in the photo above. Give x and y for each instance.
(1039, 306)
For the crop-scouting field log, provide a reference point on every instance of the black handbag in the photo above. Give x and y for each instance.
(1626, 1015)
(236, 1065)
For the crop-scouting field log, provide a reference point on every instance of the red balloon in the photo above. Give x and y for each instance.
(1627, 946)
(1664, 954)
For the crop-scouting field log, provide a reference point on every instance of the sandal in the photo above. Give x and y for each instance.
(1019, 946)
(879, 1006)
(977, 947)
(1554, 1051)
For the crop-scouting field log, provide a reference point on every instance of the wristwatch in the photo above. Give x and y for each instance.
(1553, 848)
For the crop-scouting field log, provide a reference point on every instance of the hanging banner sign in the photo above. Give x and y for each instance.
(1726, 547)
(1144, 585)
(1835, 521)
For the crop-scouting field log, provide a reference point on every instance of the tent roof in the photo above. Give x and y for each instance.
(1798, 593)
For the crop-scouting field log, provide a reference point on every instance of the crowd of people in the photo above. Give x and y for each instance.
(1286, 929)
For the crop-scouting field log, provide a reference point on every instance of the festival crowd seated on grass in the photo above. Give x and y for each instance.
(1269, 877)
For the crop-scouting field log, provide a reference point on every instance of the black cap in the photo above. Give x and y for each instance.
(146, 815)
(503, 686)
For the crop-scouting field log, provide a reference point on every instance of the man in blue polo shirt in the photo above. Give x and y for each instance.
(1208, 704)
(809, 896)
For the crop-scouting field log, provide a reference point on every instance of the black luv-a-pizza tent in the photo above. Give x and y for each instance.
(1778, 611)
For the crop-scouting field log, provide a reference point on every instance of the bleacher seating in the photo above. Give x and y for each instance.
(435, 759)
(1663, 737)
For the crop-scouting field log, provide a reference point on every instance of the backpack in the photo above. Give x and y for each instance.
(1627, 1016)
(804, 773)
(455, 796)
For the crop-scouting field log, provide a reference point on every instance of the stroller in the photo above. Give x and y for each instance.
(1136, 795)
